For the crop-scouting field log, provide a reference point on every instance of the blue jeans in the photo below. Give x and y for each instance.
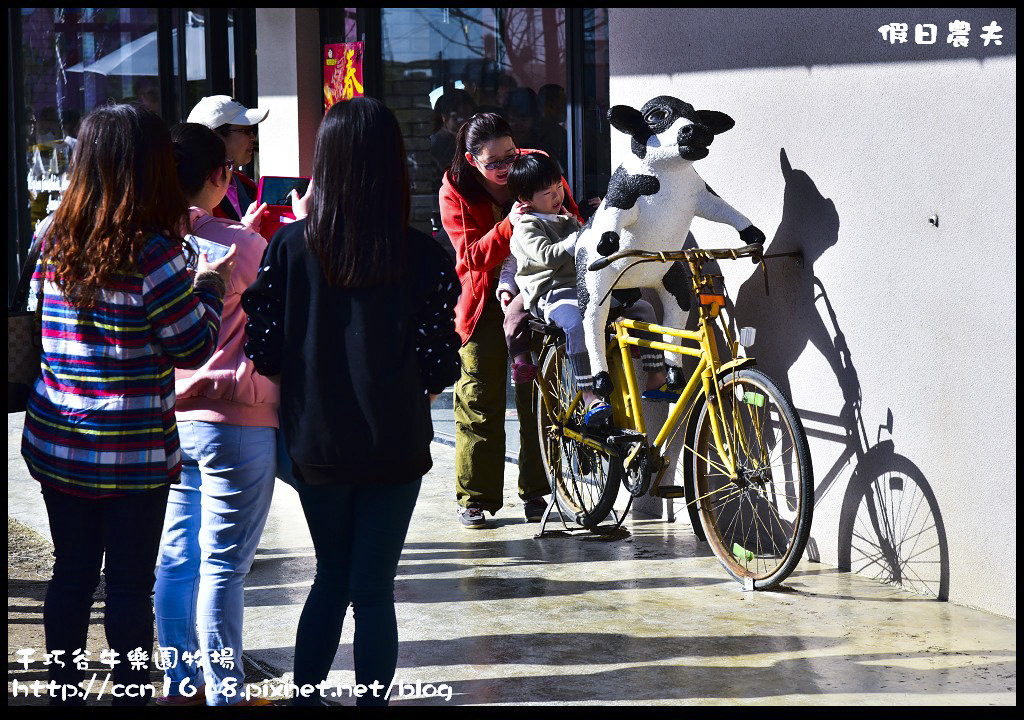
(215, 516)
(358, 532)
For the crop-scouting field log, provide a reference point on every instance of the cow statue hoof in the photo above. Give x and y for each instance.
(603, 385)
(752, 235)
(674, 378)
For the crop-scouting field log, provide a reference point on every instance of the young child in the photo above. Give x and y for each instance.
(544, 246)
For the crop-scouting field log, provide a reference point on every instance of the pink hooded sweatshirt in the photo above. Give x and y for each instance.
(227, 389)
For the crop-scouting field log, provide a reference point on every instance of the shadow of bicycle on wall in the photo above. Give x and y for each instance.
(890, 527)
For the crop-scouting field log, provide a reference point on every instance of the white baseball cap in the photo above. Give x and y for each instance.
(216, 110)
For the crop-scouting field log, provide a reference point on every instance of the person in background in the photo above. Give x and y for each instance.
(523, 111)
(120, 312)
(147, 92)
(227, 420)
(551, 98)
(353, 313)
(451, 110)
(71, 120)
(236, 124)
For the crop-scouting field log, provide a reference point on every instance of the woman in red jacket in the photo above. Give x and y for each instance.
(475, 212)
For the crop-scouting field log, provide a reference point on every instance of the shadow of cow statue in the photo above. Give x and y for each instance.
(651, 201)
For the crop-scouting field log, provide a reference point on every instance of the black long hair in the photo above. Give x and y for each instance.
(198, 152)
(359, 211)
(473, 135)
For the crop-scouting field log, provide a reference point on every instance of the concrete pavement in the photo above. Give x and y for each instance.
(650, 617)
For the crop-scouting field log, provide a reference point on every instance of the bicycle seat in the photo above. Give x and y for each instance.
(548, 329)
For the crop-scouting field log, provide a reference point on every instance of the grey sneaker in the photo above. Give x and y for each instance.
(472, 517)
(534, 509)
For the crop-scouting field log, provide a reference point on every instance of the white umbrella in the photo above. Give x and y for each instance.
(139, 57)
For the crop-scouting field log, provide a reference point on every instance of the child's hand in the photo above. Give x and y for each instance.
(518, 210)
(505, 298)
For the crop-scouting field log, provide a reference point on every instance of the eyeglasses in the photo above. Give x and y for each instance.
(251, 130)
(498, 164)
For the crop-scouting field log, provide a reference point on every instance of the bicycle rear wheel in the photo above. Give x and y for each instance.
(585, 481)
(758, 522)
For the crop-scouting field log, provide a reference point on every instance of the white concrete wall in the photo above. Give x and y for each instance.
(290, 82)
(879, 139)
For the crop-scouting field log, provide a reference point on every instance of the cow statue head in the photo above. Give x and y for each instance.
(667, 126)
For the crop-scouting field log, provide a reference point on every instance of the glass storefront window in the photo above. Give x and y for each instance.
(443, 64)
(597, 151)
(74, 59)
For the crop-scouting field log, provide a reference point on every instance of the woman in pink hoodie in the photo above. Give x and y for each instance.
(227, 420)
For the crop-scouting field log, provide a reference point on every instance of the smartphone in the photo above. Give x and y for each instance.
(214, 251)
(276, 191)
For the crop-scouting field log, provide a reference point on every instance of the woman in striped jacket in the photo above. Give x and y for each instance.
(120, 311)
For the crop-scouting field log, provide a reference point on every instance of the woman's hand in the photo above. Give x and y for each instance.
(253, 218)
(300, 205)
(222, 266)
(518, 210)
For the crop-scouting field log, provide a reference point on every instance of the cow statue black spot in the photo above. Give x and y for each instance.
(651, 201)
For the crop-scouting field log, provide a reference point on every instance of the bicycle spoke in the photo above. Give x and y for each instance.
(721, 501)
(709, 461)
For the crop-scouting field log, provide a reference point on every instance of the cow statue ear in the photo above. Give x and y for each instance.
(629, 121)
(716, 122)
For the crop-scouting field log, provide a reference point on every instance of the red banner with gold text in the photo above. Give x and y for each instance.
(343, 72)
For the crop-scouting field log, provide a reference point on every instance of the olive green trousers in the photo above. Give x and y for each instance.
(480, 420)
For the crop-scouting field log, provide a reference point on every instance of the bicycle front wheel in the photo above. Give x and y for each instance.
(585, 481)
(757, 520)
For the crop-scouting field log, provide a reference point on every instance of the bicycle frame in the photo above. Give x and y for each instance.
(702, 381)
(625, 401)
(626, 405)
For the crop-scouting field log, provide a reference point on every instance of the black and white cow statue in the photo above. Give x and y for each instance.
(651, 201)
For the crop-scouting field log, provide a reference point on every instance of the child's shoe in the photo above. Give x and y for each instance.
(523, 373)
(599, 414)
(661, 394)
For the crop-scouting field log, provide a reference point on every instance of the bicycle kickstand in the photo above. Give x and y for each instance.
(552, 505)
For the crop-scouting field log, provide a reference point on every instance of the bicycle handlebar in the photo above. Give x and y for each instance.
(696, 254)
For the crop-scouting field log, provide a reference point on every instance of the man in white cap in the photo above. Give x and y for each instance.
(237, 125)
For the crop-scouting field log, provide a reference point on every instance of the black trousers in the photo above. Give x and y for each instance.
(125, 531)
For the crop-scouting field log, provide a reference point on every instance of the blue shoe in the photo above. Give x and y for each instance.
(598, 414)
(661, 394)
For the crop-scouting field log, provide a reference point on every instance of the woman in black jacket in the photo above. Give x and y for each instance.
(354, 312)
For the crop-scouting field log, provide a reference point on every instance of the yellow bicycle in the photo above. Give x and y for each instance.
(745, 466)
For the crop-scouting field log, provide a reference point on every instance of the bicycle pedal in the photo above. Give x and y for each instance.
(670, 491)
(625, 436)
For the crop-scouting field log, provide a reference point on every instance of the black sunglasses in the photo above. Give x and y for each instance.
(498, 164)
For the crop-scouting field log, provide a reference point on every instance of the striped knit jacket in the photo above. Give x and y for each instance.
(100, 419)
